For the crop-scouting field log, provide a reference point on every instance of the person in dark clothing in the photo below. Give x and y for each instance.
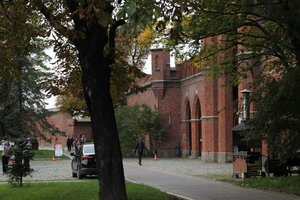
(70, 141)
(139, 148)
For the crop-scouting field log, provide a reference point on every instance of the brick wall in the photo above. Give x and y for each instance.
(64, 122)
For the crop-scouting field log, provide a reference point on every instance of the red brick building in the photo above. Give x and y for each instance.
(71, 127)
(197, 111)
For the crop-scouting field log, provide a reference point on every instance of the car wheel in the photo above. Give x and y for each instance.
(79, 175)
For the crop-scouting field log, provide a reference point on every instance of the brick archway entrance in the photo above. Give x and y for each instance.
(189, 128)
(198, 128)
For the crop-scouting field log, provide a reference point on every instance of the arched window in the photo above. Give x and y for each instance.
(157, 62)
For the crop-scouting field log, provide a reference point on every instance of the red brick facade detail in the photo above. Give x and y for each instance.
(70, 126)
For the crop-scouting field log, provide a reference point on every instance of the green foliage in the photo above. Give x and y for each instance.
(135, 122)
(22, 108)
(150, 121)
(20, 166)
(277, 119)
(22, 57)
(138, 14)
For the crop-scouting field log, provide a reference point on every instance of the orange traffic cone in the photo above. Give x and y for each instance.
(155, 156)
(53, 158)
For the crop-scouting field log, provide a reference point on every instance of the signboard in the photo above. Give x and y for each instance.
(58, 150)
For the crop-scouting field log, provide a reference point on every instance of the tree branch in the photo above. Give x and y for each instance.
(111, 39)
(52, 19)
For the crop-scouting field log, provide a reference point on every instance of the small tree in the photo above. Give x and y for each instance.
(135, 122)
(20, 167)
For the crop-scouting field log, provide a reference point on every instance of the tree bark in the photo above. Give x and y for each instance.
(96, 83)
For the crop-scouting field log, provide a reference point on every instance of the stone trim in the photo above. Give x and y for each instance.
(201, 119)
(171, 81)
(209, 117)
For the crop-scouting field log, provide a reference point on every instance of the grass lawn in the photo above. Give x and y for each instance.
(83, 190)
(46, 155)
(285, 184)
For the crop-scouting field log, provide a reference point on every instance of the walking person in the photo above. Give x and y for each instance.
(82, 139)
(5, 155)
(139, 148)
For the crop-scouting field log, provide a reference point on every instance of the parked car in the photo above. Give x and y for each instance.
(84, 162)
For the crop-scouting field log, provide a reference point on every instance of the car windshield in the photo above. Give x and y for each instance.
(88, 149)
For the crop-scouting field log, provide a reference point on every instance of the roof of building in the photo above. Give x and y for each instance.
(145, 79)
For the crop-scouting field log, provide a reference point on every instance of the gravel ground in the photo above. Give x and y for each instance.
(61, 170)
(184, 166)
(48, 171)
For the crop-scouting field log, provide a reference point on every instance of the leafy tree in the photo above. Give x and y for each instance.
(127, 118)
(277, 119)
(135, 122)
(150, 121)
(257, 38)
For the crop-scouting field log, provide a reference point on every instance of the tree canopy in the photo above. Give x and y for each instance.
(22, 107)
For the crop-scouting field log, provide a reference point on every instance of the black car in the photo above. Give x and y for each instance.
(84, 162)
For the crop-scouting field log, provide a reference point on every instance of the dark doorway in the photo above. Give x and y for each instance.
(189, 127)
(199, 126)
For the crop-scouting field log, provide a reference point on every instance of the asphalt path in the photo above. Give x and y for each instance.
(196, 188)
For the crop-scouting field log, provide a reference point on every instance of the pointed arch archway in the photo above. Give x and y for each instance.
(188, 127)
(198, 126)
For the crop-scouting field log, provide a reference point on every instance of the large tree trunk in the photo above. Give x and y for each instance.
(96, 83)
